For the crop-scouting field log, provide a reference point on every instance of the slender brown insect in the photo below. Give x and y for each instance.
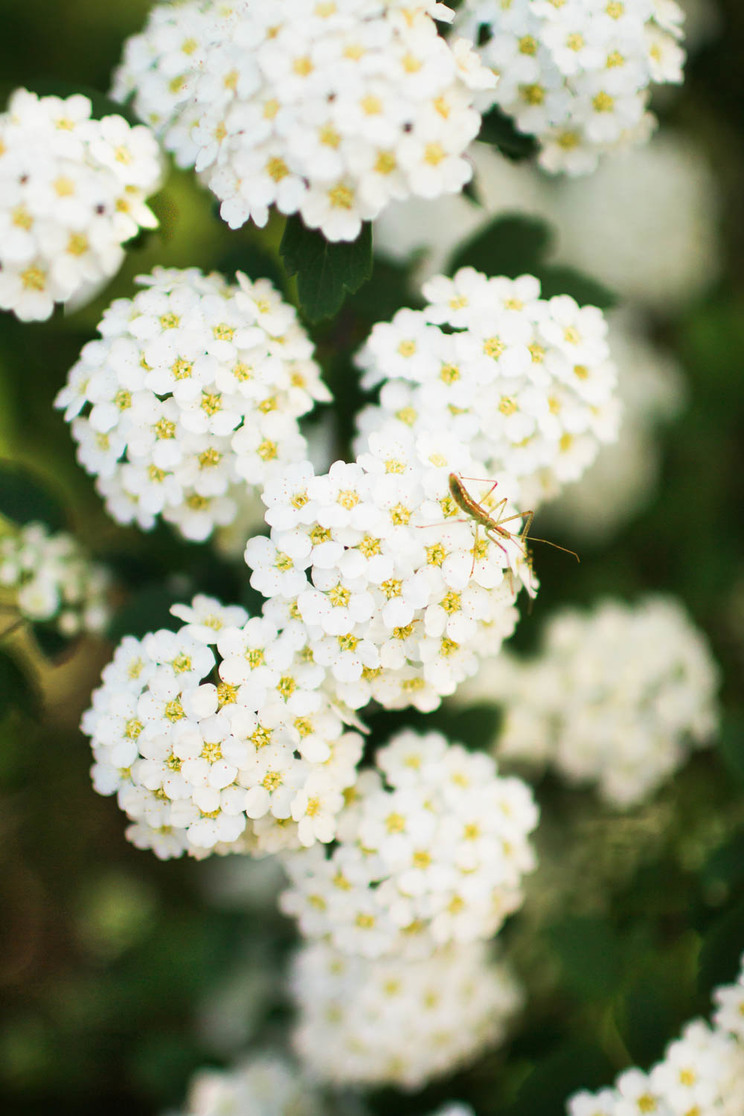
(493, 522)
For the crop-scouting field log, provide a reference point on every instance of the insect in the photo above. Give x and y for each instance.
(493, 522)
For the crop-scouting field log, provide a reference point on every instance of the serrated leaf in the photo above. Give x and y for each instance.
(17, 691)
(500, 131)
(513, 245)
(25, 498)
(326, 272)
(566, 280)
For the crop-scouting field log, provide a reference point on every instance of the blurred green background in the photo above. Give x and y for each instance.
(110, 961)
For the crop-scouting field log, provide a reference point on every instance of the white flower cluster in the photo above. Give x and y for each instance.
(397, 1021)
(219, 737)
(402, 598)
(525, 383)
(53, 580)
(431, 850)
(577, 74)
(264, 1085)
(330, 109)
(72, 190)
(701, 1073)
(193, 392)
(618, 696)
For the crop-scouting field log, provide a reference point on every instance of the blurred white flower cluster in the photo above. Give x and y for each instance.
(54, 581)
(192, 393)
(329, 109)
(646, 223)
(618, 696)
(701, 1073)
(524, 385)
(72, 190)
(395, 1020)
(266, 1084)
(577, 74)
(652, 391)
(431, 850)
(220, 737)
(269, 1084)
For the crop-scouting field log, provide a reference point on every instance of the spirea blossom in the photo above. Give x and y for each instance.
(192, 393)
(220, 737)
(72, 191)
(651, 388)
(577, 75)
(525, 383)
(327, 109)
(430, 851)
(54, 581)
(618, 696)
(264, 1085)
(648, 223)
(399, 593)
(395, 1021)
(701, 1073)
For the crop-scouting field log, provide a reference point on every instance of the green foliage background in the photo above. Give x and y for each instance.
(107, 956)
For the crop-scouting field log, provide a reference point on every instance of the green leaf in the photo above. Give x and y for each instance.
(513, 245)
(387, 290)
(646, 1020)
(518, 245)
(17, 691)
(25, 498)
(572, 1067)
(731, 744)
(589, 953)
(326, 272)
(586, 291)
(500, 130)
(721, 950)
(724, 868)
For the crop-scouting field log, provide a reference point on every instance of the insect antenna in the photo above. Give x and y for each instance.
(556, 546)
